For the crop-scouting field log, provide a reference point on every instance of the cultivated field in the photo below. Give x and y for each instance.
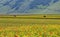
(17, 27)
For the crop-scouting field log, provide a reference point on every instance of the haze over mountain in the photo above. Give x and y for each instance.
(29, 6)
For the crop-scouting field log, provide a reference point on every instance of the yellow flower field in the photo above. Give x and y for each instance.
(18, 27)
(33, 30)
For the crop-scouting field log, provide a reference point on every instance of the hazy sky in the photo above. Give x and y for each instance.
(29, 6)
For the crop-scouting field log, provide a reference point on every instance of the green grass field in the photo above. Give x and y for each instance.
(18, 27)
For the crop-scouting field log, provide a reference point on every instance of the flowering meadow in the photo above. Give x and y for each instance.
(31, 30)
